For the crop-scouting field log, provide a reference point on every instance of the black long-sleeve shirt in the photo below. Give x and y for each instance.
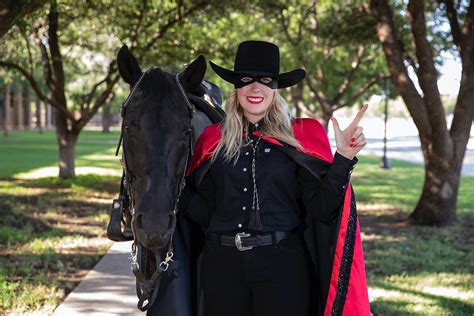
(225, 193)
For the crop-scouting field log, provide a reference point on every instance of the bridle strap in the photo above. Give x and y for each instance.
(123, 109)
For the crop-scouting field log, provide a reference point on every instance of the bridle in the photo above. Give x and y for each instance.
(147, 289)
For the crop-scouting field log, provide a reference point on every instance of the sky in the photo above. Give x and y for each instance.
(448, 82)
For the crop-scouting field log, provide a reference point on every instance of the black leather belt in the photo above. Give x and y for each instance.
(245, 241)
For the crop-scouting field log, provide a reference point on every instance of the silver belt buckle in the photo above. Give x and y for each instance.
(238, 241)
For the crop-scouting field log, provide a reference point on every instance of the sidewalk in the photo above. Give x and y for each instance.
(108, 289)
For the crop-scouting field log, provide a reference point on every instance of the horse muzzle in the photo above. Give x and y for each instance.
(151, 235)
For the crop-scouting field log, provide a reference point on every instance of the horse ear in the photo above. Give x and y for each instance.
(128, 66)
(193, 75)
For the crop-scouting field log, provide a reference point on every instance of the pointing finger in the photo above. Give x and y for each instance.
(359, 115)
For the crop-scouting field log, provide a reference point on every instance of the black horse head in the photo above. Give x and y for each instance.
(156, 140)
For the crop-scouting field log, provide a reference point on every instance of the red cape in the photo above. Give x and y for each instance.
(336, 247)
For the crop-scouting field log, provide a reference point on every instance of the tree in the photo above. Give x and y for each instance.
(73, 45)
(443, 148)
(13, 10)
(334, 44)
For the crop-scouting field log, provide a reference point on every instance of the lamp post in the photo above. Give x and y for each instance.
(385, 162)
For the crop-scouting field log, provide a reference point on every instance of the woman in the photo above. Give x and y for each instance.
(281, 234)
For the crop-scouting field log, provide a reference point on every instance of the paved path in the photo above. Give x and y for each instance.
(108, 289)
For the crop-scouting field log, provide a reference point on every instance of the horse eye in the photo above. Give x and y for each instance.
(246, 79)
(266, 80)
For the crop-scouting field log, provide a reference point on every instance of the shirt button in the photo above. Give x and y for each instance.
(247, 153)
(240, 225)
(244, 208)
(245, 169)
(245, 189)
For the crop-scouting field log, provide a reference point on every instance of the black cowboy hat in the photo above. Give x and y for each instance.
(258, 59)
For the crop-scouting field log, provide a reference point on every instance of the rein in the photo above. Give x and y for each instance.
(147, 289)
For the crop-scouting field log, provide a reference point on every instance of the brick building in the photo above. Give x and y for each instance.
(20, 109)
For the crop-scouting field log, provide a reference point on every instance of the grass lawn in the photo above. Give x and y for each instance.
(26, 151)
(52, 232)
(413, 270)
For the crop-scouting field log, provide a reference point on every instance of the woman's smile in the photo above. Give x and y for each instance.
(255, 99)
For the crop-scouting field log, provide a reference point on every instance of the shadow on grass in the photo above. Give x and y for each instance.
(393, 248)
(401, 258)
(28, 280)
(104, 183)
(400, 306)
(49, 207)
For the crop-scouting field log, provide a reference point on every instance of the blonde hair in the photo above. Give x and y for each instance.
(276, 124)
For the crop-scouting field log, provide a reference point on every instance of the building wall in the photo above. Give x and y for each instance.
(20, 109)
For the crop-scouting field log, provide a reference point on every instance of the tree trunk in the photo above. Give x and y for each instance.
(39, 114)
(437, 203)
(106, 118)
(67, 139)
(443, 150)
(325, 115)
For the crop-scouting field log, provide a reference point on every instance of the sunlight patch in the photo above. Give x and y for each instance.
(54, 171)
(449, 292)
(98, 157)
(375, 207)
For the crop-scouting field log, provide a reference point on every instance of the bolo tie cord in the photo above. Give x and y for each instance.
(255, 221)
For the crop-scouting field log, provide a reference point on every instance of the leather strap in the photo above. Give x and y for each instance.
(254, 240)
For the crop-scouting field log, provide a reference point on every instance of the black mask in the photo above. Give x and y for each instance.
(248, 79)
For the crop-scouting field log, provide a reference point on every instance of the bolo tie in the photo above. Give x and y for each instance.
(253, 220)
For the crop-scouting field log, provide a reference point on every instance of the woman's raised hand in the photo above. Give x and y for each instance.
(351, 140)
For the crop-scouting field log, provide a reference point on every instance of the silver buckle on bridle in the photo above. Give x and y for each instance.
(238, 241)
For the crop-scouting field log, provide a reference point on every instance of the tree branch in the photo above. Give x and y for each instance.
(88, 98)
(454, 23)
(53, 43)
(12, 11)
(284, 27)
(319, 95)
(354, 66)
(352, 99)
(133, 40)
(36, 87)
(100, 100)
(427, 75)
(28, 48)
(304, 16)
(464, 111)
(47, 74)
(393, 51)
(468, 36)
(176, 19)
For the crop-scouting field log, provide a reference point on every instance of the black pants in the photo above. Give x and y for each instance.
(268, 280)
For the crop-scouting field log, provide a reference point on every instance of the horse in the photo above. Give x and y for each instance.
(162, 118)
